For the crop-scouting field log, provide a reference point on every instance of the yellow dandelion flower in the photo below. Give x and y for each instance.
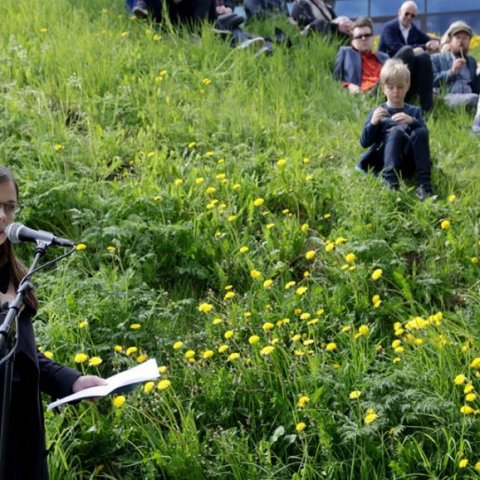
(118, 348)
(208, 354)
(363, 329)
(135, 326)
(296, 337)
(142, 357)
(281, 163)
(94, 361)
(468, 388)
(80, 247)
(376, 274)
(178, 345)
(164, 384)
(255, 274)
(475, 363)
(370, 416)
(445, 224)
(326, 216)
(354, 394)
(253, 339)
(300, 427)
(477, 467)
(228, 334)
(205, 307)
(301, 290)
(331, 347)
(268, 326)
(58, 147)
(258, 202)
(48, 354)
(119, 401)
(459, 379)
(467, 410)
(178, 182)
(162, 369)
(302, 401)
(350, 257)
(131, 350)
(470, 397)
(244, 249)
(290, 284)
(475, 260)
(83, 324)
(233, 356)
(267, 350)
(329, 247)
(310, 255)
(222, 348)
(80, 358)
(304, 228)
(267, 283)
(148, 387)
(229, 295)
(189, 354)
(451, 198)
(340, 240)
(463, 463)
(199, 180)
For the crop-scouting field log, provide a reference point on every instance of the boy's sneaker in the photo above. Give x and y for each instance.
(140, 9)
(424, 191)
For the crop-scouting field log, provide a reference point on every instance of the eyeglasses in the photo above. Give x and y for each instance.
(408, 14)
(10, 208)
(363, 36)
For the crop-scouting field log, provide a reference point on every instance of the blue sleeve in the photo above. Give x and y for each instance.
(371, 133)
(339, 61)
(390, 42)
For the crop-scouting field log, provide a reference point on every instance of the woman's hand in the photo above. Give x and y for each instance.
(87, 381)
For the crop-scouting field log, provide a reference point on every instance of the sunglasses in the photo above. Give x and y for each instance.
(363, 36)
(408, 14)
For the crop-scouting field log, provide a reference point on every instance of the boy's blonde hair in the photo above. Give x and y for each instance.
(394, 72)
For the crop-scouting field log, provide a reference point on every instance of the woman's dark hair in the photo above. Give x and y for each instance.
(16, 268)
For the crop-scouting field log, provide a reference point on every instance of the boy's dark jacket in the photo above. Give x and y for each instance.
(373, 136)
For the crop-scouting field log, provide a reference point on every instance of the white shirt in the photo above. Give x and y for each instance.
(405, 31)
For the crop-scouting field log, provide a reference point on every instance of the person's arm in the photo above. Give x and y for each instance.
(442, 71)
(390, 40)
(338, 69)
(370, 133)
(58, 381)
(421, 38)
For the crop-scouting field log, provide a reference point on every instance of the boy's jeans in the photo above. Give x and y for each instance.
(407, 154)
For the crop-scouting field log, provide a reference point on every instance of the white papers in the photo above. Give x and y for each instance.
(142, 373)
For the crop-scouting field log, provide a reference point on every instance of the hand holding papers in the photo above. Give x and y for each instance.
(142, 373)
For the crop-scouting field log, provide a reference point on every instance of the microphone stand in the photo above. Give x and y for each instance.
(7, 351)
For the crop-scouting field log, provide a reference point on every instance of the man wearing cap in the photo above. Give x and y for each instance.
(455, 70)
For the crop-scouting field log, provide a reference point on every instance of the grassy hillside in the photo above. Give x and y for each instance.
(309, 323)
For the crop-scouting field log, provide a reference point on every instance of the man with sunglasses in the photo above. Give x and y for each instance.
(401, 38)
(358, 67)
(402, 31)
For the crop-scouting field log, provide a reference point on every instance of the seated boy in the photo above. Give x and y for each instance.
(396, 134)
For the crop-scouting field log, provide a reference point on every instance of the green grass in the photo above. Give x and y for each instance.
(157, 145)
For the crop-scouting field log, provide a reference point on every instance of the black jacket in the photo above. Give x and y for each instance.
(32, 373)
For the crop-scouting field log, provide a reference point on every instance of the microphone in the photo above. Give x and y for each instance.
(17, 232)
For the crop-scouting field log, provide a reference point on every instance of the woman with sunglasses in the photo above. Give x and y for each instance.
(26, 456)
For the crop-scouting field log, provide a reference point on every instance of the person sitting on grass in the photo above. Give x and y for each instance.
(318, 16)
(396, 134)
(358, 67)
(455, 70)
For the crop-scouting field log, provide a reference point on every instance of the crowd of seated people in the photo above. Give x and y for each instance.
(408, 65)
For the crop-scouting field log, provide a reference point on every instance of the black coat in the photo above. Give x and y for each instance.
(32, 373)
